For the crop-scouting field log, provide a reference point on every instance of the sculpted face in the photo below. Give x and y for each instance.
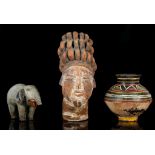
(77, 84)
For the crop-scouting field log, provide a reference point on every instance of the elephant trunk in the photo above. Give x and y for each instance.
(32, 103)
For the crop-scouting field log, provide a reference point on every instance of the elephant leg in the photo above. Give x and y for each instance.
(22, 112)
(12, 110)
(31, 113)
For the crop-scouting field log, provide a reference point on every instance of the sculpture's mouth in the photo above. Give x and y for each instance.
(79, 93)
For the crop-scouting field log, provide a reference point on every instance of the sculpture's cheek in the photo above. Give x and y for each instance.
(88, 89)
(67, 88)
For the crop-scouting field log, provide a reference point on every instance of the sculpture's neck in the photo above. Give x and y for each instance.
(75, 110)
(74, 103)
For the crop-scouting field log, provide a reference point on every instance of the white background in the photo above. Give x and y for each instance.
(98, 142)
(77, 142)
(77, 11)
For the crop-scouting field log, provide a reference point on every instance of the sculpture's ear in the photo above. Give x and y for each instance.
(61, 81)
(94, 83)
(20, 96)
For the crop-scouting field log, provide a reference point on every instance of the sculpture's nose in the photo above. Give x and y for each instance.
(79, 84)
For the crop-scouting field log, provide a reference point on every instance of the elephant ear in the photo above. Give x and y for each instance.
(21, 96)
(39, 100)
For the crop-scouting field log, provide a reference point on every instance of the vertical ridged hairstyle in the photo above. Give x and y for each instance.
(78, 66)
(76, 49)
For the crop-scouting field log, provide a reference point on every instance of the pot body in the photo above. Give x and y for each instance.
(128, 98)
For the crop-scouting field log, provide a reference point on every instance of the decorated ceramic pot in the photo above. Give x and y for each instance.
(78, 67)
(128, 98)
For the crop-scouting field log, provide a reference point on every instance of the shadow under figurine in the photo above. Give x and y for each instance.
(127, 125)
(25, 98)
(21, 125)
(80, 125)
(78, 68)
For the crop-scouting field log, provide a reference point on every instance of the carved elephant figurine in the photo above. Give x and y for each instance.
(25, 98)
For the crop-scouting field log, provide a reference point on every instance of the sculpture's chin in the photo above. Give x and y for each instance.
(78, 101)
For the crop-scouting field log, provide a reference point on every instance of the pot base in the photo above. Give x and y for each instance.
(129, 119)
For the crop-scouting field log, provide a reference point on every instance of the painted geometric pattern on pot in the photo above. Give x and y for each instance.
(128, 88)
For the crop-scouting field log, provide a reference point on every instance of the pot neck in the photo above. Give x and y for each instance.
(128, 78)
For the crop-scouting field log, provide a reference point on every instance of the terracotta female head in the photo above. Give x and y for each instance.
(78, 67)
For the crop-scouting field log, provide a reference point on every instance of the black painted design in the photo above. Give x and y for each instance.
(134, 111)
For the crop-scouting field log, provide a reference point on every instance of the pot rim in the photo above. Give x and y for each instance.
(128, 75)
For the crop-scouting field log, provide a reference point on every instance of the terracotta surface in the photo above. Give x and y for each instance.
(78, 67)
(128, 98)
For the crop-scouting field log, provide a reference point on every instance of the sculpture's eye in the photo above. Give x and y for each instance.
(70, 77)
(86, 78)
